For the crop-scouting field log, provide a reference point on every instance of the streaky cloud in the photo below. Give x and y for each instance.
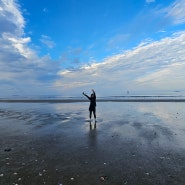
(155, 66)
(46, 40)
(150, 1)
(176, 12)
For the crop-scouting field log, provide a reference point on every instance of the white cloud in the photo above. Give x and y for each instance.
(158, 18)
(117, 40)
(45, 10)
(47, 41)
(11, 19)
(155, 66)
(176, 12)
(12, 34)
(22, 71)
(150, 1)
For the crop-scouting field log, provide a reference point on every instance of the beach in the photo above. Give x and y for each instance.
(54, 143)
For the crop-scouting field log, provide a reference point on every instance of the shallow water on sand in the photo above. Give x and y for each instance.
(54, 143)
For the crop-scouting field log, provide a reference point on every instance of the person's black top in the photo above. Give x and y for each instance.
(92, 99)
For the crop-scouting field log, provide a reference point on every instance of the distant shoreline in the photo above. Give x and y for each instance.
(84, 100)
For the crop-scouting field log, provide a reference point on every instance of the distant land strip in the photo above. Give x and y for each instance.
(81, 100)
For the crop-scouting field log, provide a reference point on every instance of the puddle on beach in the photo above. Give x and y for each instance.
(54, 143)
(150, 122)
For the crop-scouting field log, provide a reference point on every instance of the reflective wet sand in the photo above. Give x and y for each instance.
(134, 143)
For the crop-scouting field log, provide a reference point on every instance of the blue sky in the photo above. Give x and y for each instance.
(69, 46)
(85, 30)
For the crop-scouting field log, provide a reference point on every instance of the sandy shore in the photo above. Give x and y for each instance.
(133, 143)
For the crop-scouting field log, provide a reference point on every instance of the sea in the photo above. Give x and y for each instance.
(114, 98)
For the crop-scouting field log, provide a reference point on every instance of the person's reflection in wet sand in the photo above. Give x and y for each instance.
(92, 134)
(91, 126)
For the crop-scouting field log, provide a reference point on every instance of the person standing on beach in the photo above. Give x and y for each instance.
(92, 106)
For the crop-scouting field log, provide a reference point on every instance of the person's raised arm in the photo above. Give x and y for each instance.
(86, 95)
(94, 93)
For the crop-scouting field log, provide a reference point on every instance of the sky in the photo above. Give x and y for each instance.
(66, 47)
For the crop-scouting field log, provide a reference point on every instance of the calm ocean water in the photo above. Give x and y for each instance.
(68, 99)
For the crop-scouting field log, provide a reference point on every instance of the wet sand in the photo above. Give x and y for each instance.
(133, 143)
